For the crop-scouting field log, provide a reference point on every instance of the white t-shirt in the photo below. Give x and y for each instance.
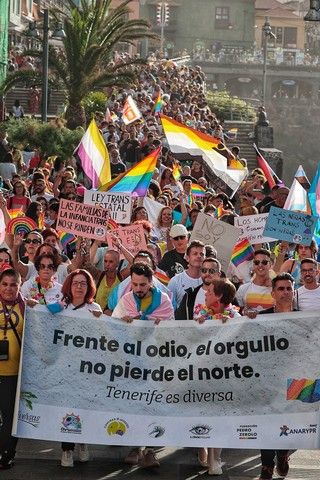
(30, 290)
(87, 307)
(7, 170)
(47, 196)
(254, 296)
(179, 284)
(200, 299)
(306, 299)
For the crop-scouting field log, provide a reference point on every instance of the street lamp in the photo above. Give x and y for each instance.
(267, 33)
(313, 14)
(58, 33)
(163, 14)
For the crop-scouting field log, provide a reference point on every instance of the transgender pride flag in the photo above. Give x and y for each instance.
(94, 156)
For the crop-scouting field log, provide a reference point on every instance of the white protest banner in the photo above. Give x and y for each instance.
(153, 209)
(290, 226)
(83, 220)
(220, 235)
(131, 237)
(130, 112)
(236, 385)
(251, 228)
(118, 204)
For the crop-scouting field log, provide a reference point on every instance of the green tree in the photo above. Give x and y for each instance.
(227, 107)
(94, 31)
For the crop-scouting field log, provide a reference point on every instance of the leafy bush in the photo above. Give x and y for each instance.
(227, 107)
(52, 138)
(94, 102)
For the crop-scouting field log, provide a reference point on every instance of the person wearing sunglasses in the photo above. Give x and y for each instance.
(30, 244)
(173, 261)
(42, 289)
(210, 271)
(256, 295)
(282, 293)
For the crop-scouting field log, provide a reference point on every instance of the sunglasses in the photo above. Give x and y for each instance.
(42, 266)
(209, 270)
(180, 237)
(262, 262)
(34, 241)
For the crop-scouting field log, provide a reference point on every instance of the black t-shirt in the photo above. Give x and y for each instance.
(117, 168)
(173, 262)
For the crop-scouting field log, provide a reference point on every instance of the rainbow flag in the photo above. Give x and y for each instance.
(158, 104)
(270, 175)
(162, 277)
(66, 239)
(242, 252)
(219, 212)
(197, 190)
(137, 179)
(15, 212)
(176, 171)
(94, 156)
(304, 389)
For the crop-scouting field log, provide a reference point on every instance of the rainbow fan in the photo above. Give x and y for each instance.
(21, 226)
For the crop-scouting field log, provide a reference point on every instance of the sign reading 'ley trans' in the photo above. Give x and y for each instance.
(118, 204)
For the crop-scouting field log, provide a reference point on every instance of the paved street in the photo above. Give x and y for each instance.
(40, 461)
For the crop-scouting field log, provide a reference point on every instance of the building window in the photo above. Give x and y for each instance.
(290, 37)
(222, 18)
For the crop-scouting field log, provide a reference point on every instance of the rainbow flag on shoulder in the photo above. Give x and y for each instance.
(242, 252)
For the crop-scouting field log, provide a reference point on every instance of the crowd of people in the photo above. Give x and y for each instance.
(37, 269)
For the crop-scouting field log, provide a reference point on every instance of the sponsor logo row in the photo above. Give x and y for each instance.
(71, 423)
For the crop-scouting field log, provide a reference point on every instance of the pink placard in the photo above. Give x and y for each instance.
(132, 237)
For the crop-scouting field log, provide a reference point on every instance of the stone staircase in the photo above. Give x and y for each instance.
(243, 141)
(56, 101)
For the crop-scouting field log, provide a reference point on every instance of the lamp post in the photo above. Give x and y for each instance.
(59, 34)
(163, 20)
(267, 33)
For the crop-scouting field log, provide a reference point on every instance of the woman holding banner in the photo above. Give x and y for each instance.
(218, 306)
(78, 292)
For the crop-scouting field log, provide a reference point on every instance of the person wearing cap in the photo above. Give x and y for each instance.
(174, 261)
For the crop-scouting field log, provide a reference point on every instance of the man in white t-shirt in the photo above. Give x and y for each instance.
(308, 296)
(191, 277)
(256, 295)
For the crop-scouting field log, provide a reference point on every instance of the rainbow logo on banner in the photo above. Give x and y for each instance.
(304, 389)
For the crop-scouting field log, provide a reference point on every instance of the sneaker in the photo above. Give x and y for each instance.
(266, 473)
(149, 459)
(67, 458)
(133, 457)
(282, 465)
(215, 468)
(83, 451)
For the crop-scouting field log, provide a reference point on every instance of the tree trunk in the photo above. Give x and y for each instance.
(75, 116)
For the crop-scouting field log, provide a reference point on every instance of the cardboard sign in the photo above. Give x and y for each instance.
(220, 235)
(83, 220)
(251, 227)
(290, 226)
(131, 237)
(118, 204)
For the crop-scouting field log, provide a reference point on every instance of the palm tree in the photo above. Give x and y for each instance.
(93, 32)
